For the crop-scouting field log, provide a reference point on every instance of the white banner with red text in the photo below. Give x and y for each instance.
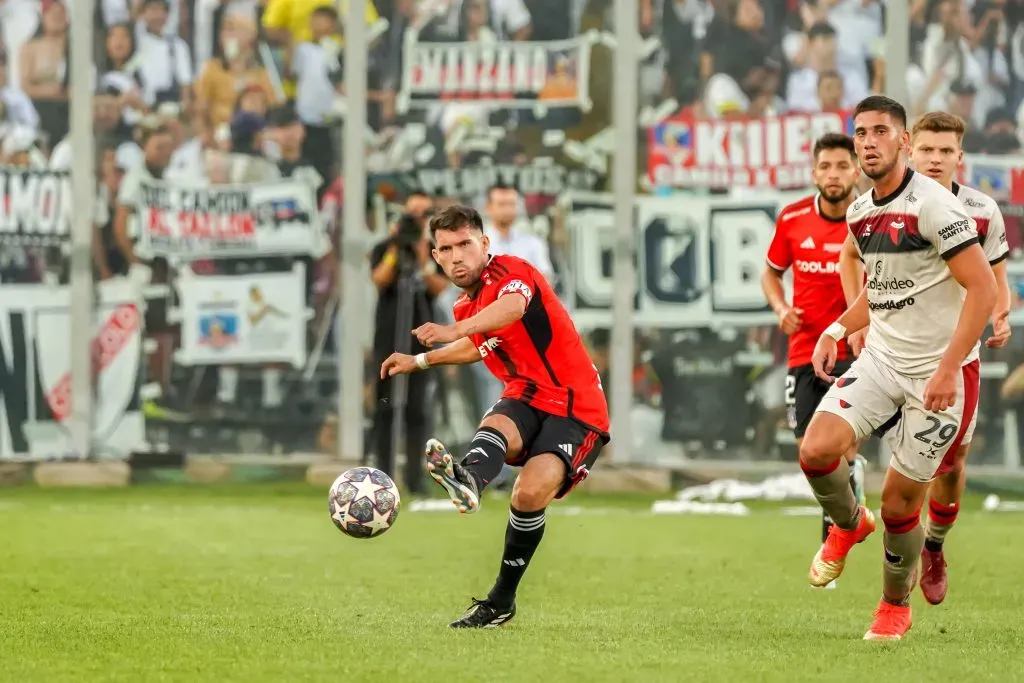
(35, 372)
(184, 223)
(247, 319)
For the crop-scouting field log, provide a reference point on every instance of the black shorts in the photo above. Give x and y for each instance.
(804, 392)
(576, 444)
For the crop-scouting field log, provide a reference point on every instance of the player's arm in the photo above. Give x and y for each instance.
(851, 270)
(856, 317)
(1003, 299)
(996, 251)
(461, 352)
(955, 237)
(509, 307)
(777, 262)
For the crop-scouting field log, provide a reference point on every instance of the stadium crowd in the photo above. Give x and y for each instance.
(236, 91)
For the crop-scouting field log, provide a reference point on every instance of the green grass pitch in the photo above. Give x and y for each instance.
(253, 583)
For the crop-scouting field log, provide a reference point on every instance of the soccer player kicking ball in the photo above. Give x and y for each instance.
(809, 237)
(928, 298)
(552, 418)
(935, 150)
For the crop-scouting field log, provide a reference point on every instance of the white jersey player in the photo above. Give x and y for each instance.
(935, 150)
(928, 297)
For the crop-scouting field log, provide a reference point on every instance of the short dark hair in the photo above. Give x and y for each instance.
(822, 29)
(940, 122)
(834, 141)
(882, 105)
(498, 187)
(456, 217)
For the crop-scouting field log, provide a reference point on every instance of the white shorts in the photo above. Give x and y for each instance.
(923, 443)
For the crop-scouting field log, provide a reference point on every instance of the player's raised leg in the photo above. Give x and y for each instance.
(499, 437)
(943, 506)
(822, 459)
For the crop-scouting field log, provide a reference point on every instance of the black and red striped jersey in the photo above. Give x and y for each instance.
(541, 358)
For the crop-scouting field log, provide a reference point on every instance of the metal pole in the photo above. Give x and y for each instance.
(353, 315)
(897, 51)
(83, 190)
(624, 180)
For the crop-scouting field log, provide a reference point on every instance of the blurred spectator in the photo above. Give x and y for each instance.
(117, 71)
(165, 68)
(44, 69)
(802, 92)
(157, 148)
(108, 258)
(234, 70)
(173, 11)
(17, 107)
(315, 65)
(19, 20)
(501, 19)
(107, 123)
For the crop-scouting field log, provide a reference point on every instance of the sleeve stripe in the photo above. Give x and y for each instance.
(1000, 259)
(775, 267)
(953, 251)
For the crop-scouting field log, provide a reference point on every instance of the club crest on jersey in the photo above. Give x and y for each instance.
(896, 231)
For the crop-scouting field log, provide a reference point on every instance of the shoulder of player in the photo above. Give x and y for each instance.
(977, 201)
(506, 265)
(801, 207)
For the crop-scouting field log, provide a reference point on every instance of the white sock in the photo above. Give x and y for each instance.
(271, 388)
(227, 384)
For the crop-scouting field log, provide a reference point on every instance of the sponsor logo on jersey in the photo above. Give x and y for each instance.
(891, 305)
(488, 346)
(889, 285)
(972, 202)
(828, 267)
(516, 286)
(954, 229)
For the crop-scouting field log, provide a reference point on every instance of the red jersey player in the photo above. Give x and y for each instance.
(809, 237)
(552, 417)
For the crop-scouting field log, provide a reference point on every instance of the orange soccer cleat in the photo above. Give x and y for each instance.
(891, 622)
(830, 559)
(934, 581)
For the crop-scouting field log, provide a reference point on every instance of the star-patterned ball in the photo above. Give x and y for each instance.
(363, 502)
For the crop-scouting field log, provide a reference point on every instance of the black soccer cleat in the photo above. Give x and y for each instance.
(484, 614)
(456, 481)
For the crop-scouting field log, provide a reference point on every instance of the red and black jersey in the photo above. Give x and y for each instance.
(540, 357)
(810, 244)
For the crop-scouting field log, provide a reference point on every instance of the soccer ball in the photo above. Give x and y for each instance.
(363, 502)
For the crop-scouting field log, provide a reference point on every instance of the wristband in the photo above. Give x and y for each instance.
(836, 331)
(421, 361)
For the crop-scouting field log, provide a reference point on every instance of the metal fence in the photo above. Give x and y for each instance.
(656, 202)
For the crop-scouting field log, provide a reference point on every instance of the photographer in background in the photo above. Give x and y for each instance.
(407, 280)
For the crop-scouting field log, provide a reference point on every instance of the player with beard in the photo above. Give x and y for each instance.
(929, 294)
(809, 235)
(552, 418)
(936, 151)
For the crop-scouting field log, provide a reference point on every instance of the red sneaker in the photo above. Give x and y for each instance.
(828, 563)
(934, 582)
(891, 622)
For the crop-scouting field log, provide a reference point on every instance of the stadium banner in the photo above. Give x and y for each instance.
(35, 207)
(182, 222)
(684, 151)
(35, 372)
(242, 319)
(698, 261)
(504, 74)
